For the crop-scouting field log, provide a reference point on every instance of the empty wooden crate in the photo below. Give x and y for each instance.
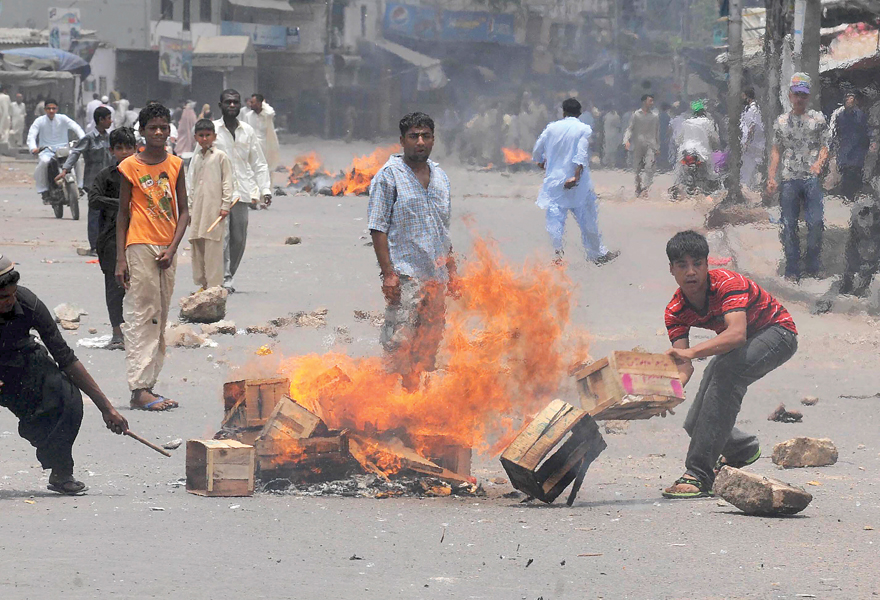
(528, 460)
(629, 385)
(219, 468)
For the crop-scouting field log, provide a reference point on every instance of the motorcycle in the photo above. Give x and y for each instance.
(693, 175)
(65, 192)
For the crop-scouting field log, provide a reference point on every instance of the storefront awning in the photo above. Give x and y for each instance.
(224, 51)
(266, 4)
(431, 75)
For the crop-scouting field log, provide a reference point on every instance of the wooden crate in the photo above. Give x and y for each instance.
(219, 468)
(544, 477)
(629, 385)
(305, 460)
(250, 402)
(445, 452)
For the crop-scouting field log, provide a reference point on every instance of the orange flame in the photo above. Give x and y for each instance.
(514, 156)
(361, 171)
(306, 166)
(505, 352)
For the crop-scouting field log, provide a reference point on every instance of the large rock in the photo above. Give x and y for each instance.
(804, 452)
(204, 307)
(68, 312)
(758, 495)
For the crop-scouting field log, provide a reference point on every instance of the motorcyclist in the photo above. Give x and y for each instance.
(52, 130)
(697, 135)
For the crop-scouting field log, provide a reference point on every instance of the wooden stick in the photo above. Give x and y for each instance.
(578, 481)
(146, 443)
(220, 218)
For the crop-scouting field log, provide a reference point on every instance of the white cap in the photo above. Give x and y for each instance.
(105, 99)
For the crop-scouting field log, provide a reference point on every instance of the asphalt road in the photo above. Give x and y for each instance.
(111, 543)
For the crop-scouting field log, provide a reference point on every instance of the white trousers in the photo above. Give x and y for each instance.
(587, 217)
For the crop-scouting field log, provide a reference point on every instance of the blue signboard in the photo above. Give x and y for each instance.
(274, 37)
(425, 23)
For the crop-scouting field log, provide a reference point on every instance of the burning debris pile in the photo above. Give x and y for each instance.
(309, 176)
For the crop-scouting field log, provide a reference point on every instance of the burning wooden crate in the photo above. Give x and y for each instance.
(630, 385)
(445, 452)
(296, 444)
(219, 468)
(248, 404)
(576, 440)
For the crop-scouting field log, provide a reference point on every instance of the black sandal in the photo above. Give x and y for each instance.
(68, 487)
(701, 492)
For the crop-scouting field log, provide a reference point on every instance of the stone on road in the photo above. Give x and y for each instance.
(805, 452)
(207, 306)
(759, 495)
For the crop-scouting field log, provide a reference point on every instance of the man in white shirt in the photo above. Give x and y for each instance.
(52, 132)
(5, 120)
(751, 140)
(18, 115)
(697, 134)
(120, 111)
(94, 103)
(251, 173)
(563, 150)
(261, 116)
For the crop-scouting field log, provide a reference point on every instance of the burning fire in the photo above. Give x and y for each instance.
(505, 352)
(514, 156)
(363, 168)
(306, 165)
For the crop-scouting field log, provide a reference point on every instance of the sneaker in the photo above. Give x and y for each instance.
(84, 252)
(606, 258)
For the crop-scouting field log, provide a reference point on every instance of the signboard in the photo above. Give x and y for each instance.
(64, 27)
(175, 61)
(271, 37)
(467, 26)
(425, 23)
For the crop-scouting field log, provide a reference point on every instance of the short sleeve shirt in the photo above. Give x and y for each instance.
(728, 292)
(153, 200)
(416, 219)
(800, 139)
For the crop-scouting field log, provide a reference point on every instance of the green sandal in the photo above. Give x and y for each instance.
(701, 493)
(737, 465)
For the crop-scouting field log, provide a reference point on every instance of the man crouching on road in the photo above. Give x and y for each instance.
(43, 393)
(409, 215)
(755, 335)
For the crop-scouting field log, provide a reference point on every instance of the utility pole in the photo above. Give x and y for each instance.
(810, 50)
(774, 37)
(734, 100)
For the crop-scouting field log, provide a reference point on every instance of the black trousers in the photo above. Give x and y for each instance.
(850, 182)
(113, 292)
(48, 406)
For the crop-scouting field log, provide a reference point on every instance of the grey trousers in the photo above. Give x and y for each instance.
(711, 419)
(235, 240)
(643, 166)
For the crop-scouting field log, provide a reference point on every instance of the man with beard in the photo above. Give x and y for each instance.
(250, 176)
(409, 214)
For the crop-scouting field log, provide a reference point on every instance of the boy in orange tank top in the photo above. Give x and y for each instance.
(153, 215)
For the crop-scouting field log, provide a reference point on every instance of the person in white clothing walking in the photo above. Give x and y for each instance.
(261, 116)
(563, 151)
(752, 140)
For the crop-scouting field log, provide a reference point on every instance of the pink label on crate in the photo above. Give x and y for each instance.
(627, 382)
(676, 387)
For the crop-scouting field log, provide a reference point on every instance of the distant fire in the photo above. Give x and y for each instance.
(513, 156)
(307, 165)
(358, 175)
(506, 348)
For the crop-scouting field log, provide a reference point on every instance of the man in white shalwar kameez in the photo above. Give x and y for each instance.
(563, 150)
(261, 116)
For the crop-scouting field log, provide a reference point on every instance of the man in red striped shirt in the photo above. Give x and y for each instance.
(755, 335)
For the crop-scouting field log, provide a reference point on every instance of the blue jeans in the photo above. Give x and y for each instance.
(793, 194)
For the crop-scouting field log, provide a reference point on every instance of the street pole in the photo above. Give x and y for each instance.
(734, 100)
(774, 37)
(810, 49)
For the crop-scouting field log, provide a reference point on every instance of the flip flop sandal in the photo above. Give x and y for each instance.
(116, 345)
(737, 465)
(701, 493)
(149, 407)
(70, 487)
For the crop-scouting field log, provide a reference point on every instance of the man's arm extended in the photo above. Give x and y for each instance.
(81, 379)
(685, 365)
(730, 339)
(81, 146)
(772, 184)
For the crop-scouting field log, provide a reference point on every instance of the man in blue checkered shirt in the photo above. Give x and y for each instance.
(409, 216)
